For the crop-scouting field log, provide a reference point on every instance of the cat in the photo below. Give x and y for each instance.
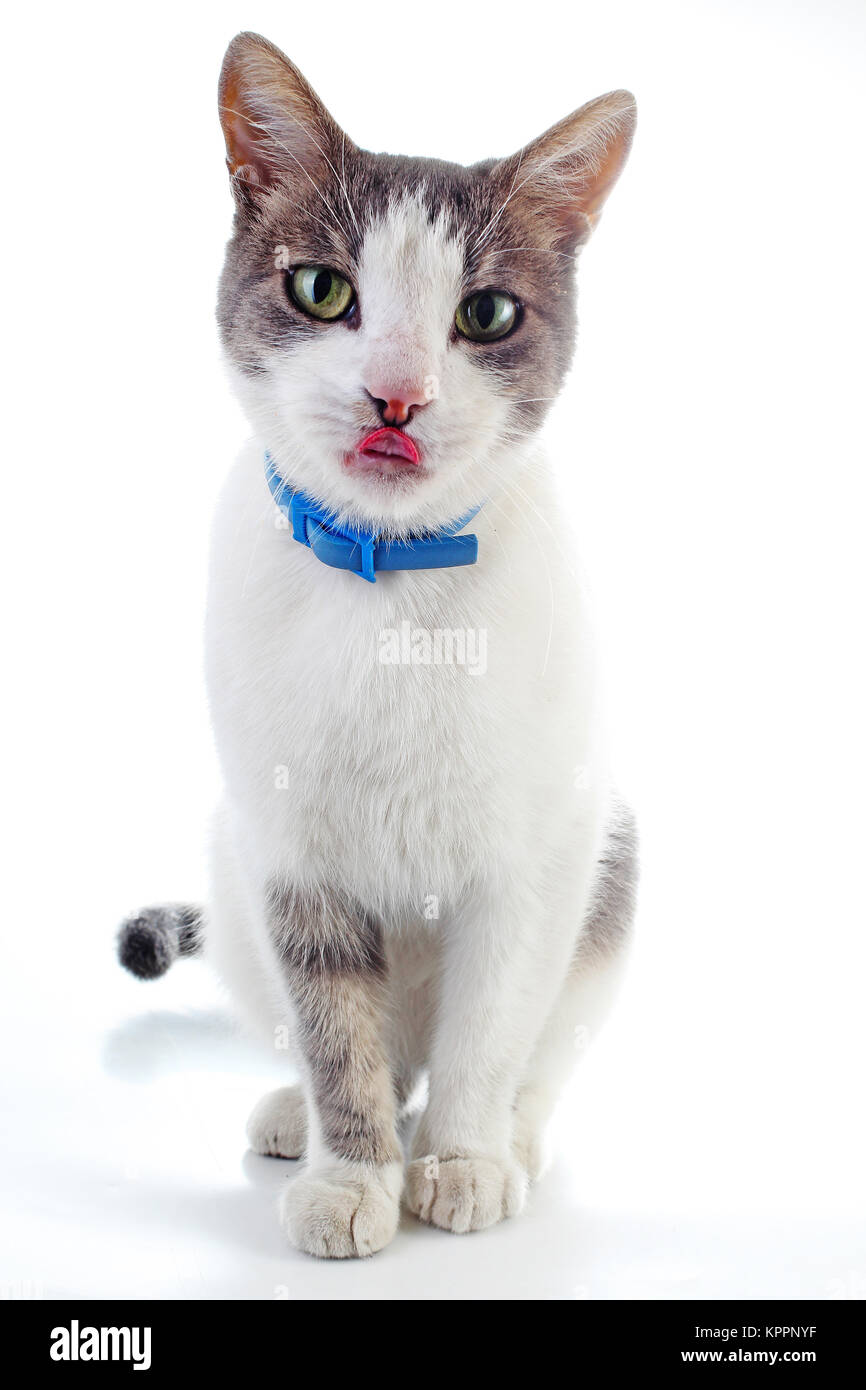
(420, 869)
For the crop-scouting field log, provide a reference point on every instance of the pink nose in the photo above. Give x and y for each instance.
(395, 407)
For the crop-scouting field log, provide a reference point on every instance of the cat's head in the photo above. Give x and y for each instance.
(398, 327)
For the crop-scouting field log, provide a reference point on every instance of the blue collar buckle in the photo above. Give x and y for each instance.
(359, 549)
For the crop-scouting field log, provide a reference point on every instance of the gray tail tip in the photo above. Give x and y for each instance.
(150, 942)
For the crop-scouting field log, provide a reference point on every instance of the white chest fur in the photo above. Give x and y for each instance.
(403, 738)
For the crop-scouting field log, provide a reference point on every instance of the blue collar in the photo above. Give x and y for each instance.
(359, 549)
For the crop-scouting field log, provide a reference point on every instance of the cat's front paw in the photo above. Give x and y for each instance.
(278, 1125)
(464, 1194)
(341, 1211)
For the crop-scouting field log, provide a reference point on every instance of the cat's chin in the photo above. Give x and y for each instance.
(384, 472)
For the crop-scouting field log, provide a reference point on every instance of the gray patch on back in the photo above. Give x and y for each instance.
(614, 897)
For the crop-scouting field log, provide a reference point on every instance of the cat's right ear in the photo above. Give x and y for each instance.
(275, 126)
(565, 176)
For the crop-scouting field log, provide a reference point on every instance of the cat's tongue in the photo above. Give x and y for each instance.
(388, 448)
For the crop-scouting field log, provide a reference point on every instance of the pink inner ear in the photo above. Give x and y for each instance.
(605, 173)
(243, 144)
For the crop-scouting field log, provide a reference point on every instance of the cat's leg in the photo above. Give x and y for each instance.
(278, 1125)
(504, 961)
(346, 1200)
(580, 1010)
(413, 960)
(587, 994)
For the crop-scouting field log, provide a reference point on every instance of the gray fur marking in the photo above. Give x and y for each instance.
(611, 913)
(332, 954)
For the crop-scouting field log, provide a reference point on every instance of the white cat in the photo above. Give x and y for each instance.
(420, 867)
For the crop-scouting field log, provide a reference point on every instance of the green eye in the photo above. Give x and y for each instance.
(486, 316)
(321, 292)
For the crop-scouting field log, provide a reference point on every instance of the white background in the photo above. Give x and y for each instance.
(711, 436)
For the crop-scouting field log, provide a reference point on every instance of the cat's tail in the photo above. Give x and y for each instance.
(149, 942)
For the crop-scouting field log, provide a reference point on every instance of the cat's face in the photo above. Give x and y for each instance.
(398, 326)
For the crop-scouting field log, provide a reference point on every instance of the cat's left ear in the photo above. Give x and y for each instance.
(566, 174)
(276, 128)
